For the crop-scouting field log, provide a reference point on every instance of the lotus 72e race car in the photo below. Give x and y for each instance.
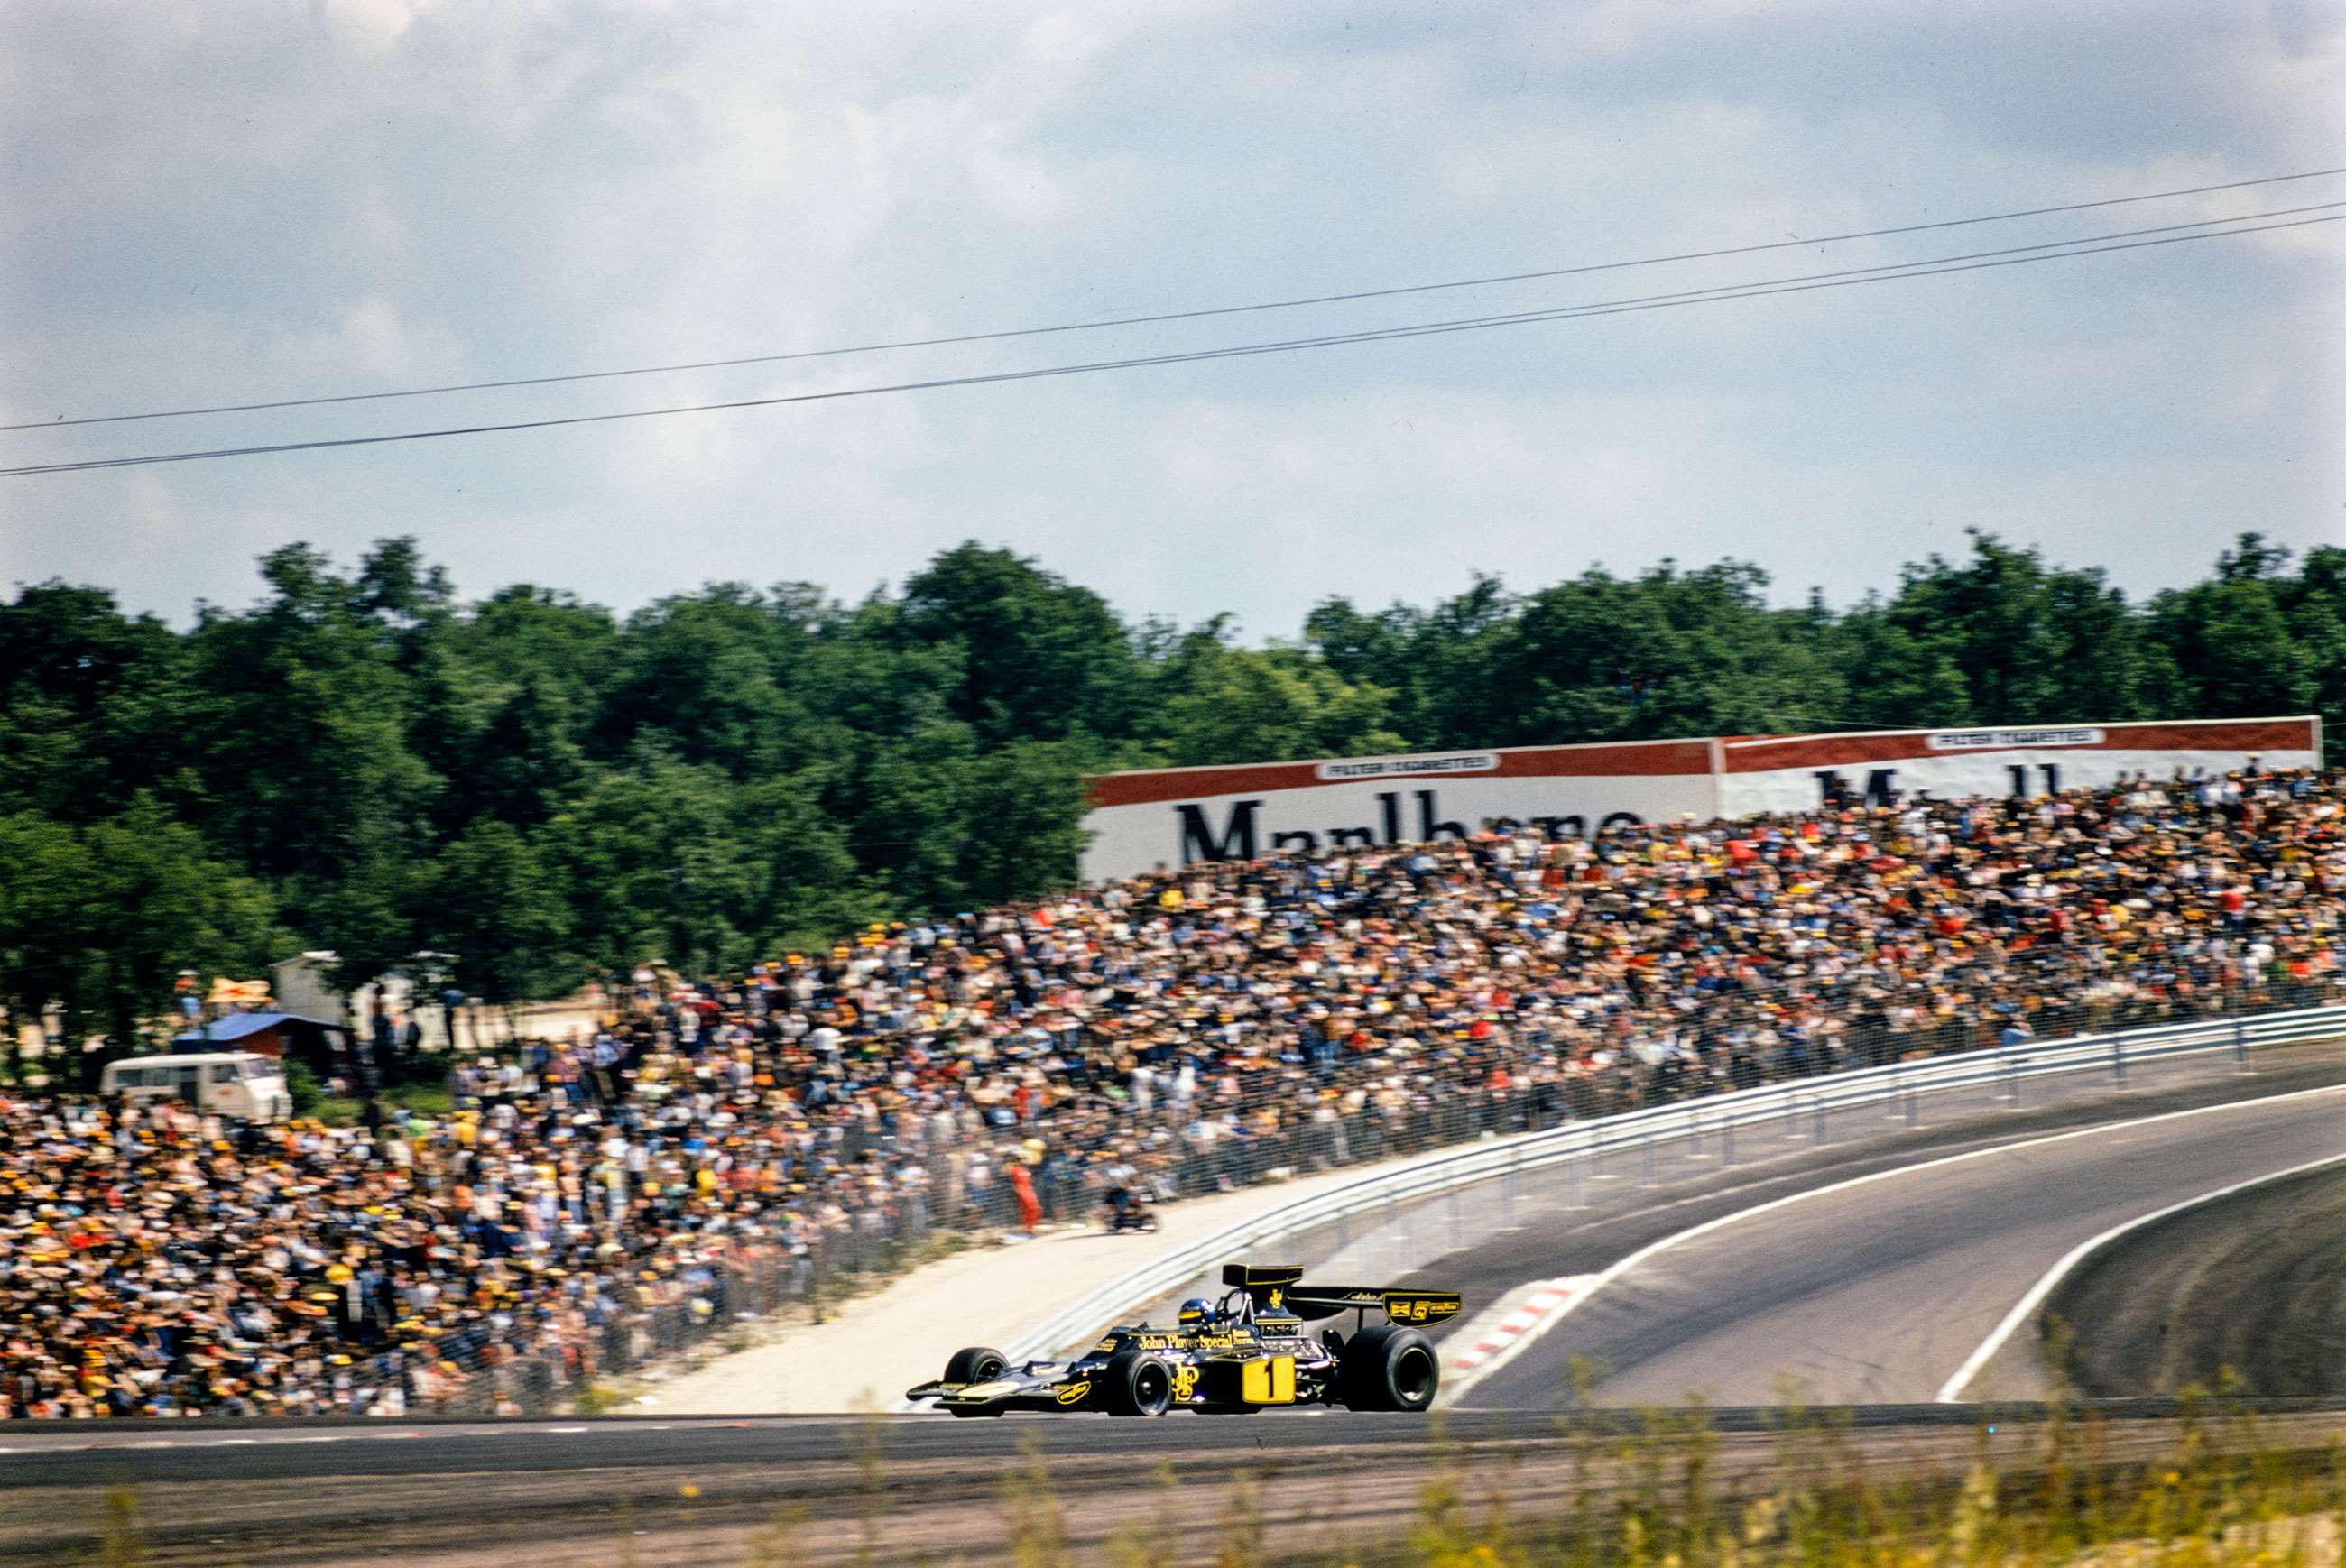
(1241, 1354)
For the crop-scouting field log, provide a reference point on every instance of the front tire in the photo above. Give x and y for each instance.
(1388, 1367)
(977, 1364)
(1136, 1383)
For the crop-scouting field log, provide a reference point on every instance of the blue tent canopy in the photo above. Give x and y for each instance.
(237, 1025)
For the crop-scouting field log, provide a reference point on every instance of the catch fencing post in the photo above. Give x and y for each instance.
(1817, 1108)
(1726, 1139)
(2241, 1044)
(1913, 1108)
(2117, 1062)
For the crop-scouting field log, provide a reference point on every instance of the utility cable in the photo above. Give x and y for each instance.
(1933, 267)
(1164, 316)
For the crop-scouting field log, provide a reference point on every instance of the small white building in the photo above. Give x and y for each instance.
(304, 984)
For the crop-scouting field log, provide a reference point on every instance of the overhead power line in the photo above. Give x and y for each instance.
(1931, 268)
(1192, 315)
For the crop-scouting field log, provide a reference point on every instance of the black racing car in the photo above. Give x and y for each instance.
(1243, 1353)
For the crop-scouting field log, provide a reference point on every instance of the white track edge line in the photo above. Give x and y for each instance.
(1453, 1393)
(1951, 1392)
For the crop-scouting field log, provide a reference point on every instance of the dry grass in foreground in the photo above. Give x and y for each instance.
(2220, 1485)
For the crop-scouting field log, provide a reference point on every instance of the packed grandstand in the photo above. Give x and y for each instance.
(592, 1201)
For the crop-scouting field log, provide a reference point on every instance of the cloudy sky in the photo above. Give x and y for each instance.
(249, 201)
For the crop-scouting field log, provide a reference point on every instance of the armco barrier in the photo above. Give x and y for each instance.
(1719, 1114)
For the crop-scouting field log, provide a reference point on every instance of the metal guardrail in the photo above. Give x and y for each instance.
(1817, 1098)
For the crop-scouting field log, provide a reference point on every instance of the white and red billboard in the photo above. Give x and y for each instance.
(1169, 817)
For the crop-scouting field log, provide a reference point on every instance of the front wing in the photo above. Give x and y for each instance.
(1055, 1390)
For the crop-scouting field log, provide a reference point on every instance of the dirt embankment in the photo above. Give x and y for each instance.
(2251, 1286)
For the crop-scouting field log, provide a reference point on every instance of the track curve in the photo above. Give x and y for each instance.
(1877, 1291)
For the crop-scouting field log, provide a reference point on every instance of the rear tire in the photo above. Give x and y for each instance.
(978, 1364)
(1388, 1367)
(1135, 1383)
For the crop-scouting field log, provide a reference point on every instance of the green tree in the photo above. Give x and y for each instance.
(96, 924)
(2235, 651)
(160, 902)
(1437, 663)
(496, 904)
(1042, 658)
(1892, 677)
(91, 704)
(308, 777)
(671, 860)
(46, 916)
(708, 677)
(1220, 703)
(1023, 806)
(536, 786)
(2031, 640)
(2315, 603)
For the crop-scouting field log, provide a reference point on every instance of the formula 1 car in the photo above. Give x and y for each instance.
(1248, 1352)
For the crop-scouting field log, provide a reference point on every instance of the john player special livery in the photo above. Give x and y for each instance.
(1248, 1350)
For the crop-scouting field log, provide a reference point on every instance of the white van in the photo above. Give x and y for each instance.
(225, 1082)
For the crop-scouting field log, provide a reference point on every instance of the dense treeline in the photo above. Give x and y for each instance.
(365, 762)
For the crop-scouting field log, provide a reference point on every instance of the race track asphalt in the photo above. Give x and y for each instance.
(1875, 1292)
(52, 1455)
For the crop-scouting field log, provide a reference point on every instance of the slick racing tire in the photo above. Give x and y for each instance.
(1388, 1368)
(1136, 1383)
(978, 1364)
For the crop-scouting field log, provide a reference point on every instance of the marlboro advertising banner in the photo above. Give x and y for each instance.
(1172, 817)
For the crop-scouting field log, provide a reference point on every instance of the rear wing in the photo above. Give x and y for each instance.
(1280, 1288)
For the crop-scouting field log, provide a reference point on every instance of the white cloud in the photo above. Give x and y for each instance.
(212, 206)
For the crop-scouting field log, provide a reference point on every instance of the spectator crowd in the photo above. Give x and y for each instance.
(1169, 1034)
